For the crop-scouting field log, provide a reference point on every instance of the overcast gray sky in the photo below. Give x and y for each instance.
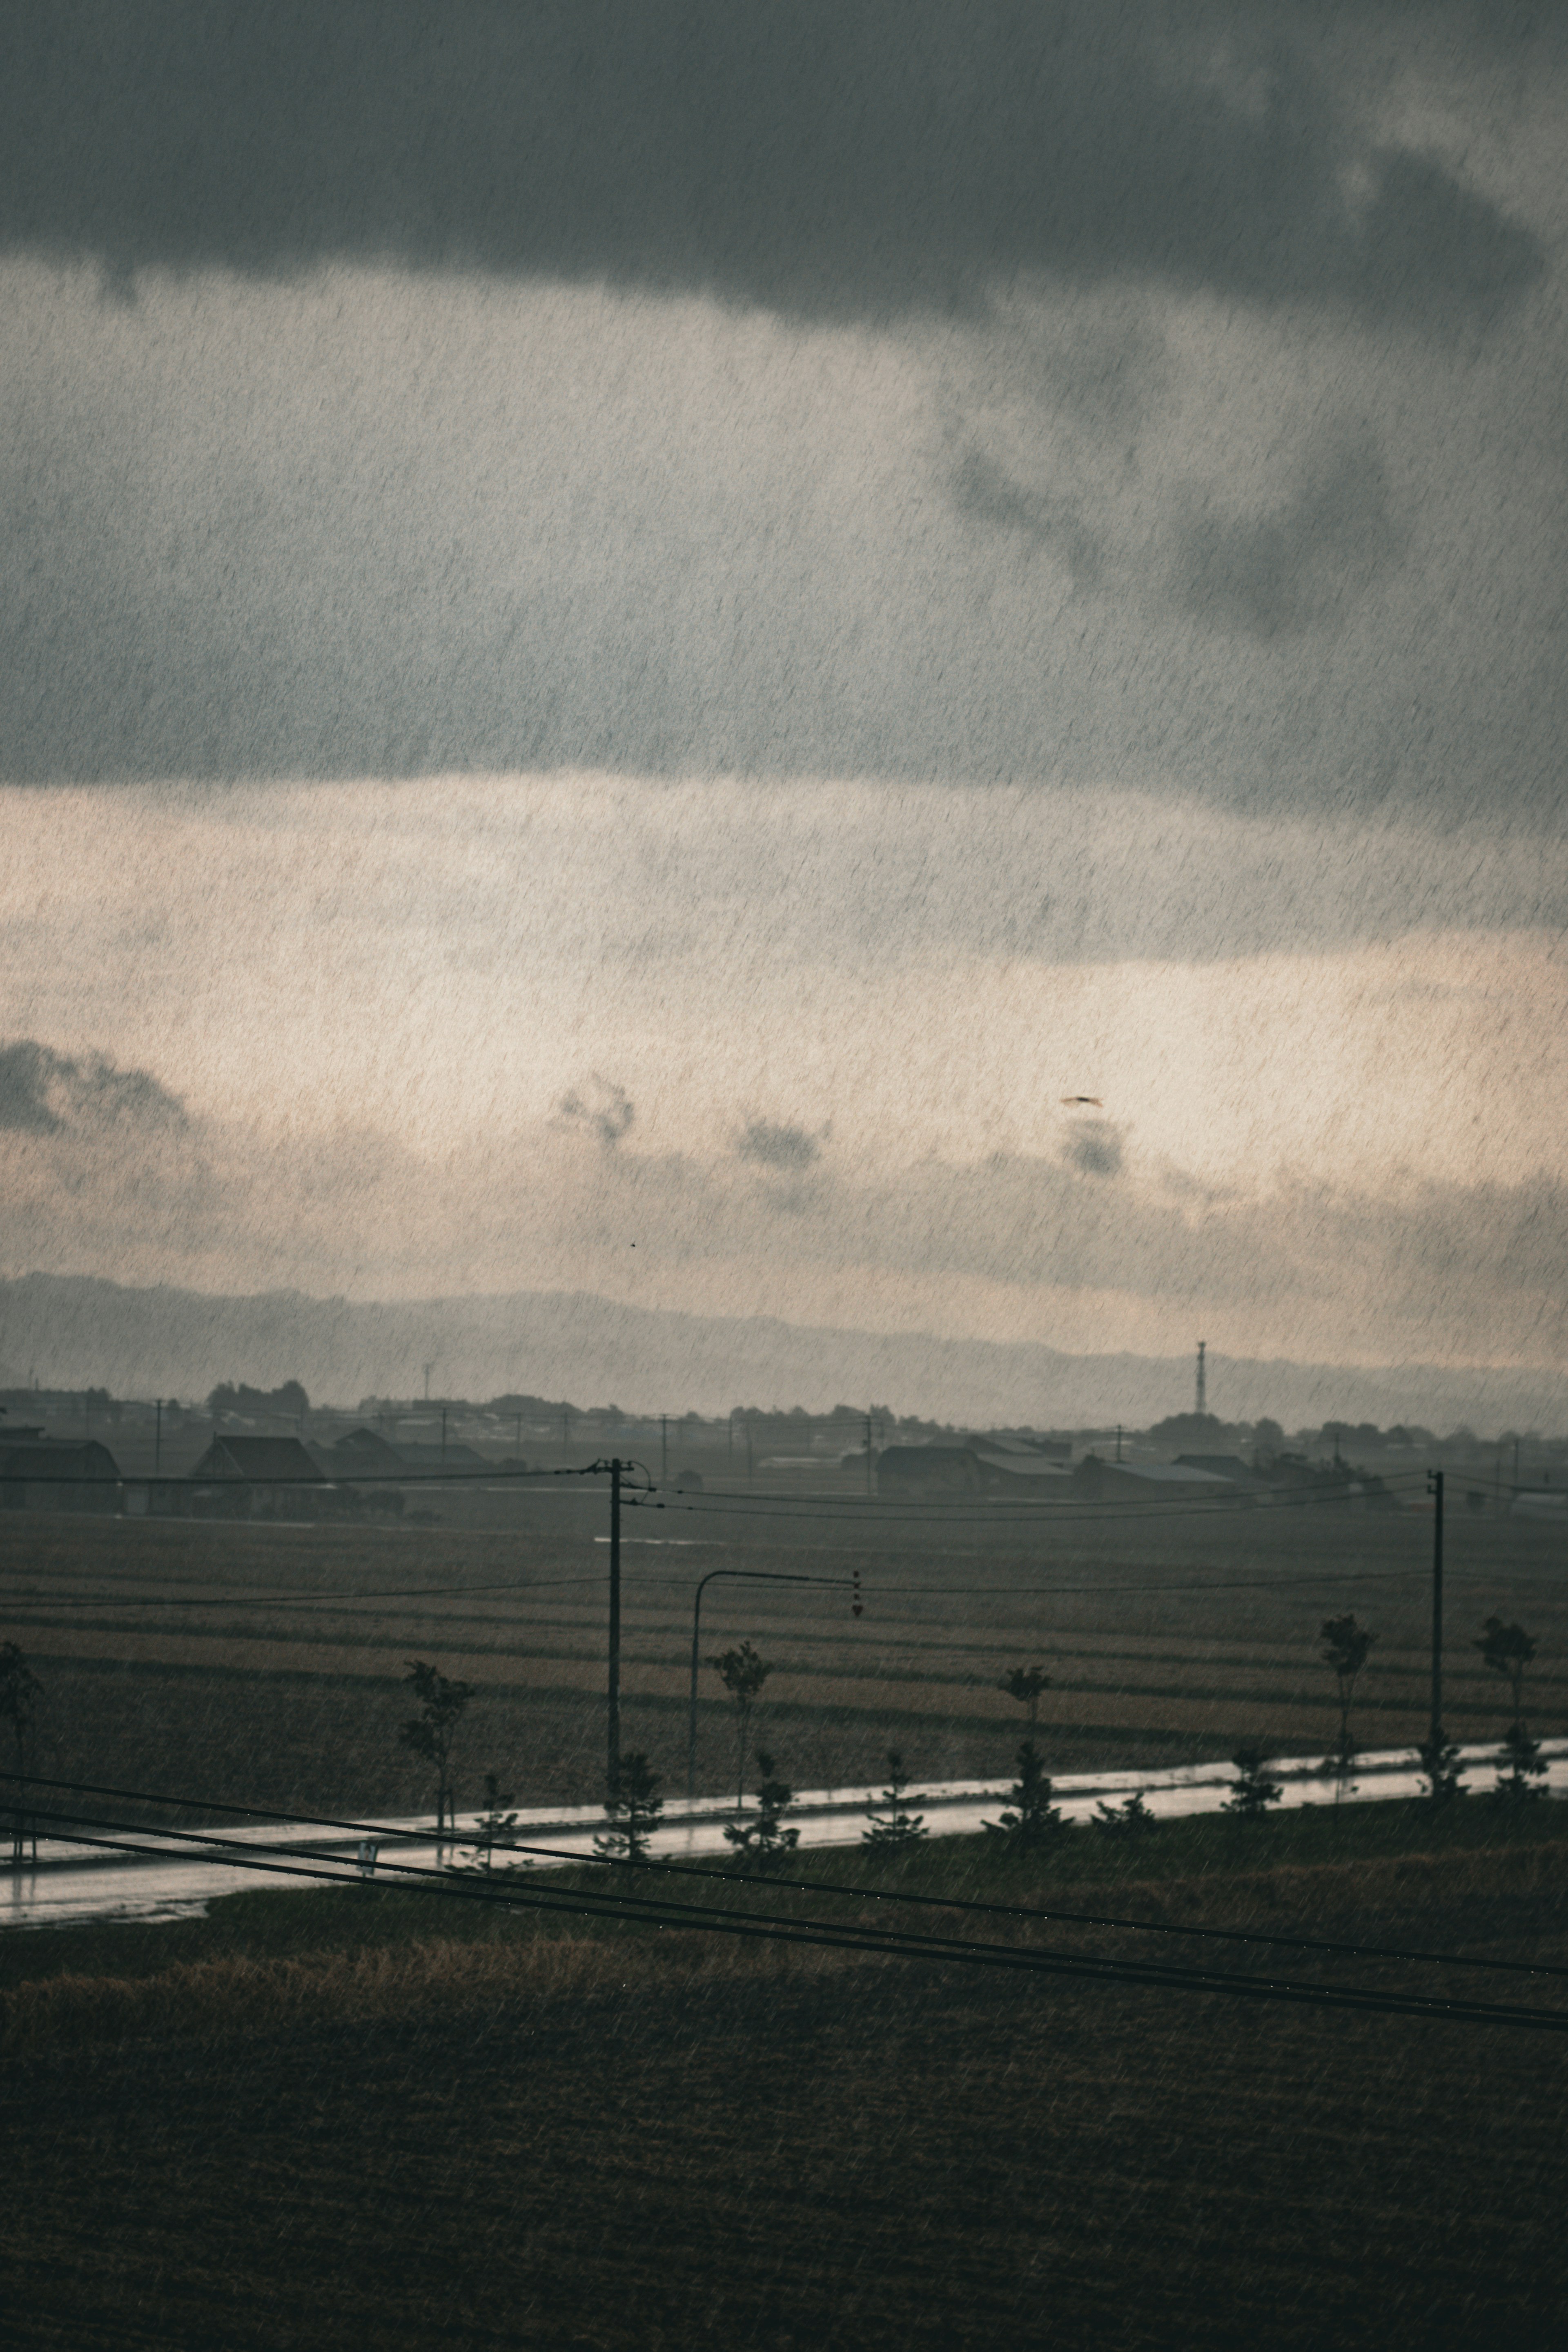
(665, 624)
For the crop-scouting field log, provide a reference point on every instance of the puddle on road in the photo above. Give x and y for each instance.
(67, 1888)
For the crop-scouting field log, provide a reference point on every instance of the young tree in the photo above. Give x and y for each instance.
(1025, 1683)
(1520, 1765)
(895, 1827)
(742, 1674)
(1252, 1792)
(1130, 1818)
(763, 1845)
(431, 1732)
(1508, 1650)
(1033, 1819)
(493, 1827)
(1345, 1651)
(632, 1807)
(1441, 1768)
(20, 1691)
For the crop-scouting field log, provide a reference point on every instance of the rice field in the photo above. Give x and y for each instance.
(264, 1663)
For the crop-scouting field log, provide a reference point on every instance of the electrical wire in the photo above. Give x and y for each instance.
(1003, 1509)
(38, 1608)
(291, 1598)
(781, 1929)
(852, 1892)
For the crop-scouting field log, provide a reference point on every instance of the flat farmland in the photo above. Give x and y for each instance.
(263, 1663)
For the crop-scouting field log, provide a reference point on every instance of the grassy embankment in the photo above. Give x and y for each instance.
(1491, 1874)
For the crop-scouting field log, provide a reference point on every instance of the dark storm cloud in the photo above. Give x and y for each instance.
(774, 1145)
(829, 159)
(1094, 1148)
(46, 1093)
(603, 1111)
(981, 488)
(1297, 565)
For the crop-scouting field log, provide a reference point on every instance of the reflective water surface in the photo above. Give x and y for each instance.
(73, 1882)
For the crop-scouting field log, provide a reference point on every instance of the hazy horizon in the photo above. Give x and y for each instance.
(81, 1332)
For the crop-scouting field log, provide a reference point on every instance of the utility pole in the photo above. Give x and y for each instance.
(664, 1449)
(565, 1423)
(615, 1677)
(443, 1437)
(157, 1435)
(616, 1470)
(1434, 1487)
(868, 1452)
(1118, 1441)
(1202, 1402)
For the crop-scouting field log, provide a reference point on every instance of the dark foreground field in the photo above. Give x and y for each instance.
(315, 2120)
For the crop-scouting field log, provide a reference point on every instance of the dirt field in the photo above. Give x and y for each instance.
(263, 1663)
(640, 2140)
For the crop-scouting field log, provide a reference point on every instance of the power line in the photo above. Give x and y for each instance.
(287, 1599)
(1110, 1591)
(778, 1927)
(1000, 1509)
(853, 1892)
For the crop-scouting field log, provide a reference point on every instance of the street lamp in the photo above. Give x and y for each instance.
(745, 1575)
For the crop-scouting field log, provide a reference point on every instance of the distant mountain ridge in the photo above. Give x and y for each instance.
(78, 1331)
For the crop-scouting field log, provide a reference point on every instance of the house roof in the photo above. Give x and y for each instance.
(1221, 1465)
(366, 1449)
(985, 1441)
(452, 1456)
(259, 1461)
(45, 1458)
(1161, 1473)
(1020, 1465)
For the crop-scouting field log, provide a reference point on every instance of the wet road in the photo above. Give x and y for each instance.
(72, 1884)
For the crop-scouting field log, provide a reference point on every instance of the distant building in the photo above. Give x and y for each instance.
(254, 1477)
(436, 1461)
(1229, 1467)
(1019, 1473)
(924, 1471)
(1148, 1482)
(1547, 1503)
(1048, 1449)
(978, 1467)
(365, 1454)
(56, 1473)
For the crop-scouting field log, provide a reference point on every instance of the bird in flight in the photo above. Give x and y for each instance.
(1084, 1098)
